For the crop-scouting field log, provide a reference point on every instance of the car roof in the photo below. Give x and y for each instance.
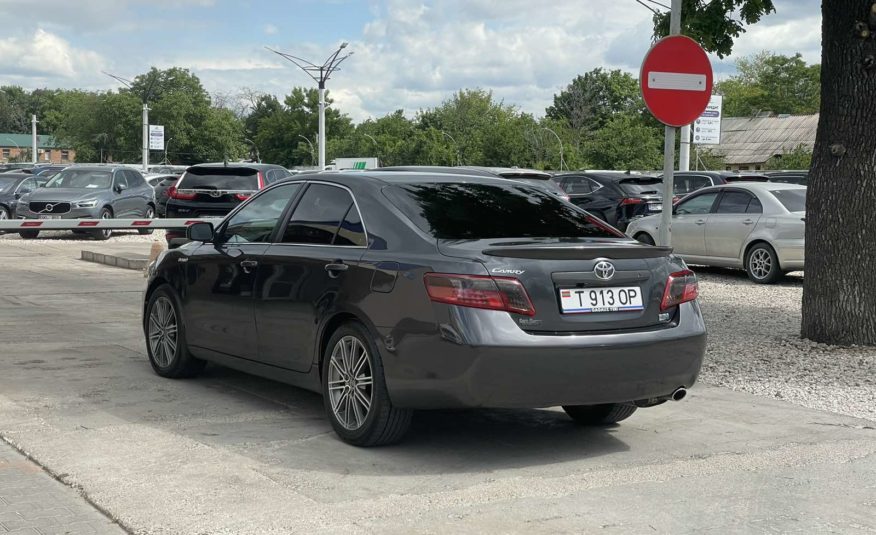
(99, 167)
(251, 165)
(381, 177)
(16, 175)
(753, 186)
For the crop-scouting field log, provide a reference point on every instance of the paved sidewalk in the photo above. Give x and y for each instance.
(33, 503)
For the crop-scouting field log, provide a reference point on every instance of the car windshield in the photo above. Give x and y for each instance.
(82, 179)
(220, 178)
(794, 200)
(7, 183)
(454, 211)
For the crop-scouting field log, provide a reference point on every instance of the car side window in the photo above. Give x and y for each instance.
(255, 221)
(135, 179)
(27, 186)
(685, 184)
(577, 185)
(121, 179)
(701, 204)
(733, 202)
(326, 215)
(754, 206)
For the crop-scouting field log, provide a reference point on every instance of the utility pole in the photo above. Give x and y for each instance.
(560, 141)
(145, 116)
(33, 135)
(684, 149)
(320, 74)
(664, 237)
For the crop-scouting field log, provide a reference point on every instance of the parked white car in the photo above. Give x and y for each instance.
(756, 226)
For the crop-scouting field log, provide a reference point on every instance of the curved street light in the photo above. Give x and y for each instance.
(311, 148)
(456, 146)
(560, 141)
(376, 145)
(165, 150)
(17, 147)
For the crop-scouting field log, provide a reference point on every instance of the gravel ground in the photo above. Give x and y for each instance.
(754, 343)
(755, 346)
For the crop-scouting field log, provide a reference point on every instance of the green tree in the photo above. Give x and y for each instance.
(840, 284)
(771, 82)
(592, 99)
(798, 158)
(625, 143)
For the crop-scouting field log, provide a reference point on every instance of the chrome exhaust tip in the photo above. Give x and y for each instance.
(679, 394)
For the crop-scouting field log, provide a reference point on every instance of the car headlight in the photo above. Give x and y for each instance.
(86, 204)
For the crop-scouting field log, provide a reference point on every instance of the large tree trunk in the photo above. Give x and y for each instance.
(839, 289)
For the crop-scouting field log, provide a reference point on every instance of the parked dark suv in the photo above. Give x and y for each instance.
(684, 182)
(615, 197)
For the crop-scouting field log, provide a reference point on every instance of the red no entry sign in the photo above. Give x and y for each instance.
(676, 80)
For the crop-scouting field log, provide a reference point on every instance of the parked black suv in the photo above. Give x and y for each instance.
(684, 182)
(789, 177)
(615, 197)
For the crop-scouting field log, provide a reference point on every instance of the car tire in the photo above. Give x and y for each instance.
(645, 238)
(29, 234)
(4, 213)
(762, 264)
(346, 395)
(609, 413)
(102, 235)
(150, 214)
(166, 336)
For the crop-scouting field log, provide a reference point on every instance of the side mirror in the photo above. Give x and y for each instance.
(17, 195)
(202, 232)
(120, 188)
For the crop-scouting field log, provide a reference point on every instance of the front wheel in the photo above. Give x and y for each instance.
(29, 234)
(150, 214)
(355, 395)
(104, 234)
(165, 337)
(762, 264)
(609, 413)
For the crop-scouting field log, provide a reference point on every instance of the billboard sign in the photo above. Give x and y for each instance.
(156, 137)
(707, 129)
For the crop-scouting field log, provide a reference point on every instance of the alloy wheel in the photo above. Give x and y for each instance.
(760, 263)
(106, 232)
(3, 214)
(350, 382)
(163, 331)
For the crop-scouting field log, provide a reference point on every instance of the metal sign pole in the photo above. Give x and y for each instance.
(665, 232)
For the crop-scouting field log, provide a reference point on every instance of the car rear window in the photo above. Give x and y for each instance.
(641, 186)
(794, 200)
(456, 211)
(220, 178)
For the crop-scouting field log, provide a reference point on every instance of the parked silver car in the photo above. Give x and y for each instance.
(89, 192)
(756, 226)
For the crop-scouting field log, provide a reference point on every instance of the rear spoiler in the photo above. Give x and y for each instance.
(582, 252)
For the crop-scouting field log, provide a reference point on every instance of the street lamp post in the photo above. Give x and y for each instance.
(376, 145)
(166, 145)
(145, 116)
(456, 146)
(320, 74)
(560, 141)
(18, 148)
(311, 148)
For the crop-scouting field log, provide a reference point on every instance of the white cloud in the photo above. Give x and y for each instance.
(270, 29)
(46, 55)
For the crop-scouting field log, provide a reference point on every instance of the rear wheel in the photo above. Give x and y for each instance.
(104, 234)
(150, 214)
(609, 413)
(355, 395)
(165, 337)
(29, 234)
(762, 264)
(645, 238)
(4, 213)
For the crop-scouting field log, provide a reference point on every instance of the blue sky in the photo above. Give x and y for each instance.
(408, 54)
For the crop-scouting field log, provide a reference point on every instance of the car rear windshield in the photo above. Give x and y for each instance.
(7, 183)
(455, 211)
(794, 200)
(641, 186)
(221, 178)
(81, 179)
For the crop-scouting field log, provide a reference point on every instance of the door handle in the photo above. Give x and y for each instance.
(248, 265)
(336, 268)
(748, 222)
(700, 221)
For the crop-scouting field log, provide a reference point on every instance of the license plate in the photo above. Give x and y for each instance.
(588, 300)
(50, 217)
(655, 207)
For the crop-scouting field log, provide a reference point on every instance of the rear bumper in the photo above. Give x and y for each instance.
(790, 253)
(483, 359)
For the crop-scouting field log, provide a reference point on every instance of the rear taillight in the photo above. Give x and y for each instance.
(493, 293)
(174, 193)
(681, 287)
(261, 182)
(631, 200)
(242, 196)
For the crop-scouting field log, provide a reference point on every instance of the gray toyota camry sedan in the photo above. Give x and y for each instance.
(393, 291)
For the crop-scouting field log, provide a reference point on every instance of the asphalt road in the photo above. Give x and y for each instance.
(229, 453)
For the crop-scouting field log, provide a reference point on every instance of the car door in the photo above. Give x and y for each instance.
(312, 270)
(220, 277)
(121, 195)
(26, 186)
(142, 194)
(588, 194)
(689, 224)
(733, 220)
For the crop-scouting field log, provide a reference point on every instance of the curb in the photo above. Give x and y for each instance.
(122, 260)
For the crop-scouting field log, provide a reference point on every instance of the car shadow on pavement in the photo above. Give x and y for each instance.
(794, 279)
(439, 442)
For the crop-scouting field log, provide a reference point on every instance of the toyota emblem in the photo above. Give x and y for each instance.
(604, 270)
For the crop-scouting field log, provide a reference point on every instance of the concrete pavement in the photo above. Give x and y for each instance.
(230, 453)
